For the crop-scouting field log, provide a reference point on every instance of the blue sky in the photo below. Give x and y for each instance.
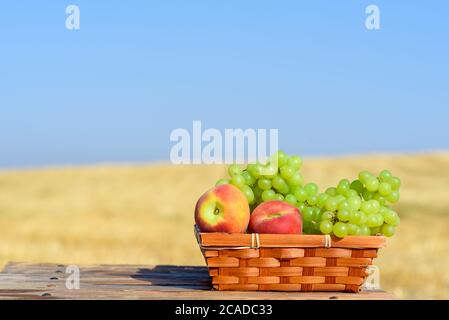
(115, 89)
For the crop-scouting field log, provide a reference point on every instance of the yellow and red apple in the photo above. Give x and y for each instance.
(276, 217)
(223, 209)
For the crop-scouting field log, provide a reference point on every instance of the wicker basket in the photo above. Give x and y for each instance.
(268, 262)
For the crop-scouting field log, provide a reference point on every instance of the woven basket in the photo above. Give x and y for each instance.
(268, 262)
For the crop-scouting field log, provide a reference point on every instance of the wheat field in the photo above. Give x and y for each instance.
(143, 214)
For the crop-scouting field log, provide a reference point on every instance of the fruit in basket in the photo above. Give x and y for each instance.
(276, 217)
(361, 206)
(223, 209)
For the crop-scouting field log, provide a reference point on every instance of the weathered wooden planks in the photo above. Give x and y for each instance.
(48, 281)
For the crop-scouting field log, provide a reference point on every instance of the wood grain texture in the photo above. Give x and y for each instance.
(47, 281)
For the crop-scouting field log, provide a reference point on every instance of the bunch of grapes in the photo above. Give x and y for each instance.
(267, 182)
(361, 207)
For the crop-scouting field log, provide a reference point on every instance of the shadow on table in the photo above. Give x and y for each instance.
(192, 278)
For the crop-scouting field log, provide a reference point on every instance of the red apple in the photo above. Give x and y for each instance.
(276, 217)
(223, 209)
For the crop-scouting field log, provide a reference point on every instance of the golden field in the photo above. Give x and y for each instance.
(144, 215)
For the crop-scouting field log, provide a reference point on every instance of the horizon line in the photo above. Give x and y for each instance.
(108, 163)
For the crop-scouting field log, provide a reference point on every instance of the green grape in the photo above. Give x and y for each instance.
(264, 183)
(326, 227)
(307, 214)
(380, 199)
(357, 186)
(344, 206)
(312, 200)
(331, 192)
(316, 214)
(279, 184)
(343, 186)
(331, 204)
(268, 195)
(355, 202)
(295, 162)
(234, 170)
(270, 171)
(282, 158)
(248, 193)
(393, 197)
(285, 190)
(300, 194)
(375, 231)
(327, 215)
(287, 172)
(388, 214)
(384, 210)
(296, 179)
(388, 230)
(340, 230)
(316, 225)
(367, 195)
(364, 176)
(352, 229)
(311, 229)
(371, 221)
(372, 184)
(364, 231)
(351, 193)
(340, 198)
(343, 215)
(238, 180)
(385, 189)
(311, 189)
(395, 183)
(375, 205)
(391, 218)
(367, 207)
(385, 175)
(355, 217)
(279, 197)
(380, 219)
(291, 199)
(322, 198)
(249, 179)
(363, 217)
(255, 170)
(222, 181)
(257, 192)
(301, 207)
(307, 228)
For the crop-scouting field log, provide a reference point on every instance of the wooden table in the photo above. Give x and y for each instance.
(48, 281)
